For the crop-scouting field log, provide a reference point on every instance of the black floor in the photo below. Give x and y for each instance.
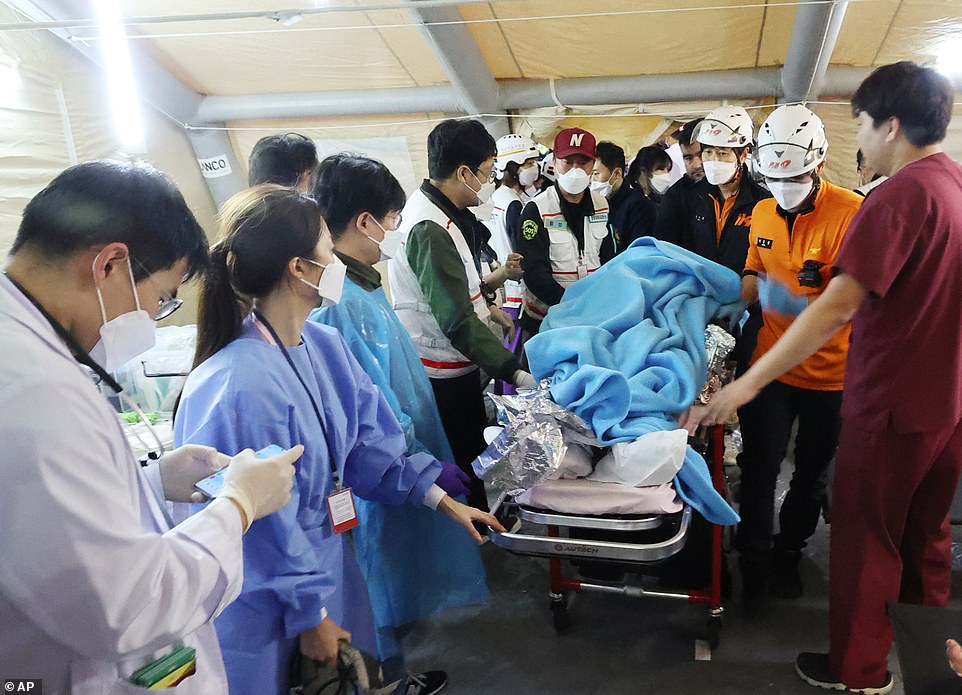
(621, 646)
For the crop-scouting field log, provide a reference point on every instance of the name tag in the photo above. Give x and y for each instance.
(764, 243)
(558, 223)
(340, 505)
(599, 217)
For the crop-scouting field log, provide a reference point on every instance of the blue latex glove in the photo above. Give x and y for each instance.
(774, 296)
(453, 480)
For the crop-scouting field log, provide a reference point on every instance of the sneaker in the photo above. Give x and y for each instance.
(426, 683)
(814, 670)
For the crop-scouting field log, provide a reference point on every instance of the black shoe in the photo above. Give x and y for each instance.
(814, 670)
(786, 580)
(426, 683)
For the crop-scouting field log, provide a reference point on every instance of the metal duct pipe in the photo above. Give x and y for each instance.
(443, 98)
(517, 94)
(218, 165)
(465, 66)
(840, 81)
(810, 49)
(721, 84)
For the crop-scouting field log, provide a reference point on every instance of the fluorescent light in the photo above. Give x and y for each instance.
(948, 55)
(124, 101)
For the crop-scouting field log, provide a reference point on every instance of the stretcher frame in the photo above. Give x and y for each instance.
(556, 549)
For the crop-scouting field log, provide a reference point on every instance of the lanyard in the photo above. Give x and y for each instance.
(79, 354)
(84, 358)
(260, 322)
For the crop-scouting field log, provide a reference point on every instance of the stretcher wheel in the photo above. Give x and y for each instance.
(714, 632)
(559, 616)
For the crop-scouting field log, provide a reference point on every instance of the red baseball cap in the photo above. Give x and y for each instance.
(574, 141)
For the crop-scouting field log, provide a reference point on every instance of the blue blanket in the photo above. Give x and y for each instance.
(625, 350)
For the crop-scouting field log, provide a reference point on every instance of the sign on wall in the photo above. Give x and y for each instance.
(215, 167)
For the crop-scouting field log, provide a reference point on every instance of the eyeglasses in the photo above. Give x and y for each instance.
(167, 304)
(397, 224)
(481, 177)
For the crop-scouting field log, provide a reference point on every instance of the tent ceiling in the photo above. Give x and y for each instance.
(333, 51)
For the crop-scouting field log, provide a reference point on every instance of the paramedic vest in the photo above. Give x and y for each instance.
(440, 358)
(501, 240)
(563, 250)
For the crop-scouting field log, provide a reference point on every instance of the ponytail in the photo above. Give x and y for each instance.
(221, 310)
(263, 228)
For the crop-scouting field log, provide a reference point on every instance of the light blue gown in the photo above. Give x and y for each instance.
(246, 395)
(415, 562)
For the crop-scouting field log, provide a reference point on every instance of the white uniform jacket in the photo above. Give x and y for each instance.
(94, 583)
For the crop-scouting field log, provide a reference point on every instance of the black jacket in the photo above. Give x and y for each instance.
(687, 217)
(631, 216)
(537, 249)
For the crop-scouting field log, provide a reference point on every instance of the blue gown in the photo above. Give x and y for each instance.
(246, 395)
(415, 563)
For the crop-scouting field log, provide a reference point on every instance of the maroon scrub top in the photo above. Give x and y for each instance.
(905, 247)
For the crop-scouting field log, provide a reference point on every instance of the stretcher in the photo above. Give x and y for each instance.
(657, 537)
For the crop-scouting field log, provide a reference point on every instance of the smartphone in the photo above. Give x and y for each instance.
(212, 484)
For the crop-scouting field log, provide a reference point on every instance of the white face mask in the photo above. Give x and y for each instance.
(718, 173)
(484, 193)
(789, 194)
(331, 284)
(661, 182)
(574, 181)
(390, 244)
(126, 336)
(528, 176)
(602, 187)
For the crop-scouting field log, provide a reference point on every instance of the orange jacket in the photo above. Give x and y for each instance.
(816, 235)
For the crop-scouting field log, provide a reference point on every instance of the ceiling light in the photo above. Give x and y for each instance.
(124, 101)
(948, 55)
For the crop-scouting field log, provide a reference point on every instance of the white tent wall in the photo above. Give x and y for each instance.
(374, 136)
(60, 115)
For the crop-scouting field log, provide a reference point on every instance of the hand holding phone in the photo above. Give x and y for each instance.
(213, 483)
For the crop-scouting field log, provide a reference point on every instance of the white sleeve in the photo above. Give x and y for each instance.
(81, 556)
(433, 497)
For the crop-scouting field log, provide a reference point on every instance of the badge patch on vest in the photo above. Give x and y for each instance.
(529, 229)
(600, 217)
(764, 243)
(558, 223)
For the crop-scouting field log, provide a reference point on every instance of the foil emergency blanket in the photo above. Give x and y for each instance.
(718, 345)
(533, 443)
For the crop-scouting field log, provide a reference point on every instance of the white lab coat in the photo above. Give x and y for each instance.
(93, 582)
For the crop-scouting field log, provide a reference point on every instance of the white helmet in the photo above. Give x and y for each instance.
(726, 126)
(547, 166)
(513, 148)
(791, 141)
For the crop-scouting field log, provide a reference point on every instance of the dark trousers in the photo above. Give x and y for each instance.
(461, 404)
(746, 340)
(766, 425)
(890, 538)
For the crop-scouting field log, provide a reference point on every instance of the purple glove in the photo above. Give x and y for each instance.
(453, 480)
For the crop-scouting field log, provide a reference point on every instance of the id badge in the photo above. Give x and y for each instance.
(582, 270)
(340, 506)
